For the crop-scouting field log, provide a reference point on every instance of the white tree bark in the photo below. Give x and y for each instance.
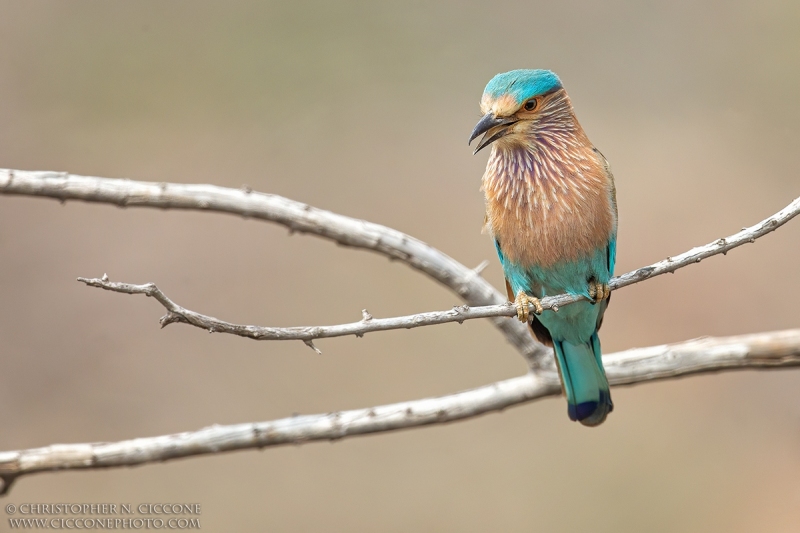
(764, 350)
(176, 313)
(299, 217)
(296, 216)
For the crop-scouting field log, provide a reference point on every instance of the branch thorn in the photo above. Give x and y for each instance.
(311, 345)
(481, 267)
(8, 480)
(170, 318)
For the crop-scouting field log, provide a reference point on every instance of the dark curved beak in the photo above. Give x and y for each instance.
(487, 123)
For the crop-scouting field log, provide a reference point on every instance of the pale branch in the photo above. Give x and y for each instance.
(297, 216)
(176, 313)
(763, 350)
(368, 324)
(780, 349)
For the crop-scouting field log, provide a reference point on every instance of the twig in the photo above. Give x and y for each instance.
(764, 350)
(298, 217)
(176, 313)
(368, 324)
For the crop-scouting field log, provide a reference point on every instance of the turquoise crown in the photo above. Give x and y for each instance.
(522, 84)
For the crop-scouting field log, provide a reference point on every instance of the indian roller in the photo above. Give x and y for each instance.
(551, 209)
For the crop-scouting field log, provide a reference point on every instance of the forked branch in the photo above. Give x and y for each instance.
(779, 349)
(297, 216)
(368, 324)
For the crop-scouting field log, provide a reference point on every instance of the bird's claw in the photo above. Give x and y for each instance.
(522, 303)
(598, 291)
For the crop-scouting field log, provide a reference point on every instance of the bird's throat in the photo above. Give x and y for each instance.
(547, 199)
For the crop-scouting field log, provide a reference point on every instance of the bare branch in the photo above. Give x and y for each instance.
(298, 217)
(763, 350)
(176, 313)
(780, 349)
(368, 324)
(347, 231)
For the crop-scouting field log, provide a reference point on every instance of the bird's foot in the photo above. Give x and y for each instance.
(598, 291)
(522, 303)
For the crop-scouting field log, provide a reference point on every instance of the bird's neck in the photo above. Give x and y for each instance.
(555, 135)
(547, 191)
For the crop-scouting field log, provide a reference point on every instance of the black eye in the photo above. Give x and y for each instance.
(530, 105)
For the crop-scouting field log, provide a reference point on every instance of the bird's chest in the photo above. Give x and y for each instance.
(543, 219)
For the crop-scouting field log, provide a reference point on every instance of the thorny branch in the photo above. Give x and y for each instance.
(763, 350)
(176, 313)
(297, 216)
(367, 324)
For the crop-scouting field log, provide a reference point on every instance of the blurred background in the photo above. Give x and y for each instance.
(364, 108)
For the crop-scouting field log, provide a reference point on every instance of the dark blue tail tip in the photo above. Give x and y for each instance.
(582, 410)
(591, 413)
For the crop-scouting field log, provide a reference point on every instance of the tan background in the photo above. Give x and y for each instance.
(364, 109)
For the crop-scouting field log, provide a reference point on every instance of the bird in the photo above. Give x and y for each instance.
(551, 210)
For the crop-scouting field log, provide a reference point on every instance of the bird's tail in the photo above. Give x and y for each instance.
(584, 381)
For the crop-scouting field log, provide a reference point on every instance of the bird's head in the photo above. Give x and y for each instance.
(511, 100)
